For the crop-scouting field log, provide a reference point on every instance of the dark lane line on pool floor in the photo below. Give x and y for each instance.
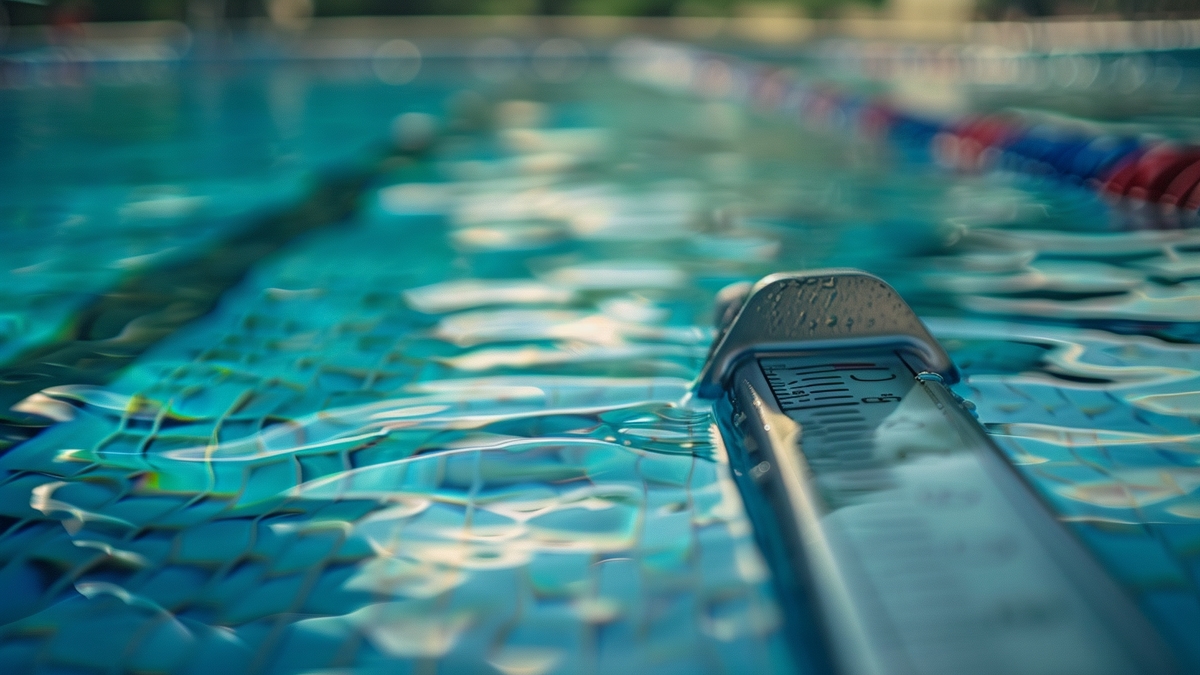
(108, 334)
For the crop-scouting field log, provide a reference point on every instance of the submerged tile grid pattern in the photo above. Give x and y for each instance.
(1103, 426)
(320, 476)
(447, 437)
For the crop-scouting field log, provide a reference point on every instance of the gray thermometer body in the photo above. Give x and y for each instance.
(910, 543)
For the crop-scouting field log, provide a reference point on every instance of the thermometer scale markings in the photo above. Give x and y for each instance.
(808, 387)
(837, 433)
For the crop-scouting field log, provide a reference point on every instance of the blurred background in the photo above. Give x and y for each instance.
(60, 12)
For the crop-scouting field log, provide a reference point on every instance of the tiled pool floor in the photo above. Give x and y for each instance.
(449, 432)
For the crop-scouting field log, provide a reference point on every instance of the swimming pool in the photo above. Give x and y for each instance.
(305, 386)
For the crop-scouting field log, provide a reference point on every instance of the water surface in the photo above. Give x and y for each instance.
(449, 431)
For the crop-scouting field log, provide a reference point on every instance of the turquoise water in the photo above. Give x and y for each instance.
(447, 429)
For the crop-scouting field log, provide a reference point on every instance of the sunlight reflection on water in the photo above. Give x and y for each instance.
(455, 433)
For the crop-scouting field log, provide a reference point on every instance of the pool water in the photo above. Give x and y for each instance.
(352, 392)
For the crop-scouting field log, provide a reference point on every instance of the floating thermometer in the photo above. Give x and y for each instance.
(903, 541)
